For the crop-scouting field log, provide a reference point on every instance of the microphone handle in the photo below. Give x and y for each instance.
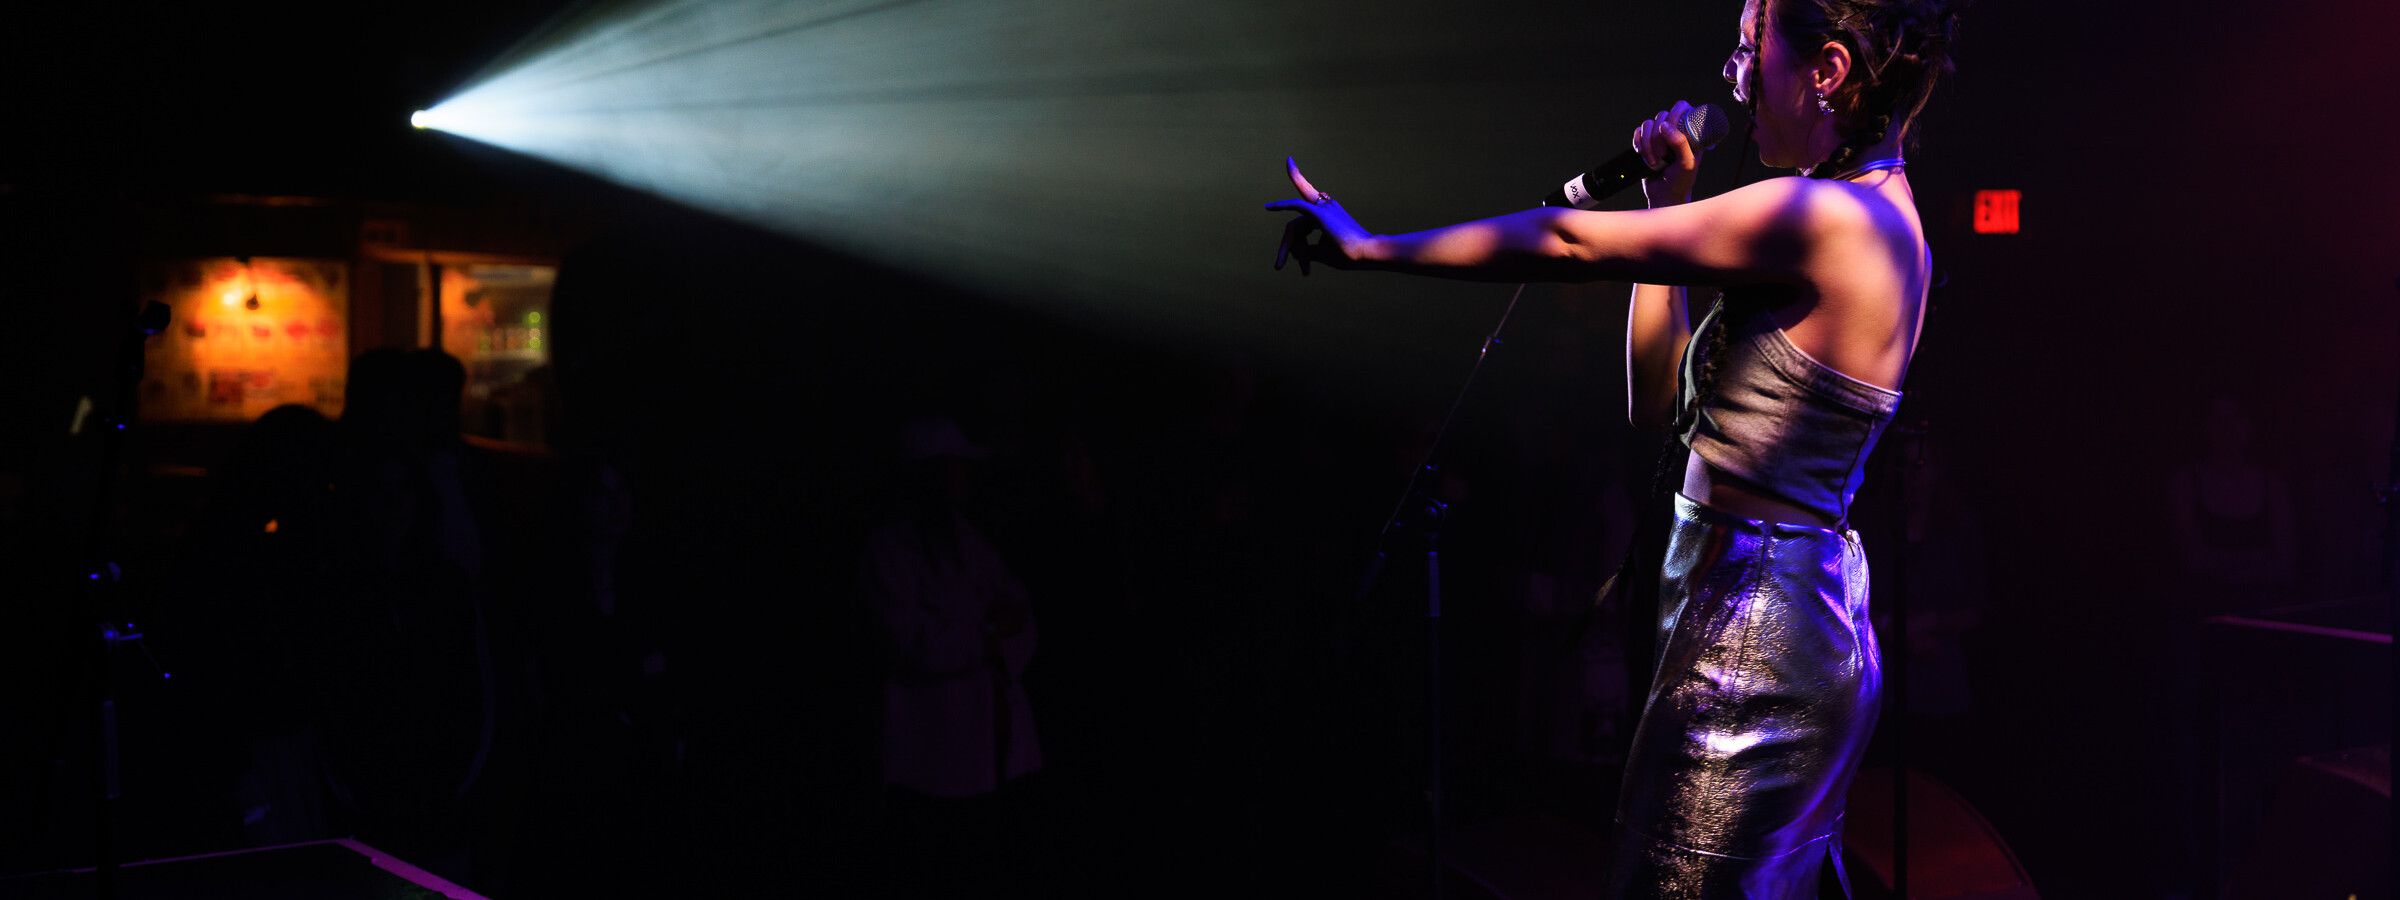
(1588, 189)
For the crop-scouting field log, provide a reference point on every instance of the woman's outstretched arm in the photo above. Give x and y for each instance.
(1789, 230)
(1772, 231)
(1758, 233)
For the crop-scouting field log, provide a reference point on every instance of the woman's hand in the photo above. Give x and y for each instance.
(1662, 144)
(1346, 243)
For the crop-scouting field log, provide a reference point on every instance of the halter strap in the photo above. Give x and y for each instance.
(1878, 165)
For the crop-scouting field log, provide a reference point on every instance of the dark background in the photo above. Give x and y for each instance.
(2208, 211)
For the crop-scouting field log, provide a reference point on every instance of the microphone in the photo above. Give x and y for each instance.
(1703, 126)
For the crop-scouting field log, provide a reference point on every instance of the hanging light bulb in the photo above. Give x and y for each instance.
(250, 281)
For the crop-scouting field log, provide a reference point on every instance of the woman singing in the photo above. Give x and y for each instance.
(1767, 678)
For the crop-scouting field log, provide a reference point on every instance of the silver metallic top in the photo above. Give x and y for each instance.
(1781, 421)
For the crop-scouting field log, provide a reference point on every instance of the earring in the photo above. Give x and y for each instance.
(1823, 108)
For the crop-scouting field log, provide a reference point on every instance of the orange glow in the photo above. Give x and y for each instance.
(271, 525)
(224, 361)
(241, 283)
(1996, 212)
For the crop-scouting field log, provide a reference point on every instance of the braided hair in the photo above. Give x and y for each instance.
(1902, 48)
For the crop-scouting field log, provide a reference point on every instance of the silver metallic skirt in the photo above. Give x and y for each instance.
(1765, 693)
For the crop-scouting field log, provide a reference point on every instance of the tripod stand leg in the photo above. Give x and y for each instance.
(1433, 666)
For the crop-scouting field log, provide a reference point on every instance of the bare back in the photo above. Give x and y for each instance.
(1860, 309)
(1862, 292)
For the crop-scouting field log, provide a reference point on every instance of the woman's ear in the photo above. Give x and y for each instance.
(1832, 69)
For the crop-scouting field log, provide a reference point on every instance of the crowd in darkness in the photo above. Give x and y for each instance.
(832, 581)
(659, 655)
(796, 518)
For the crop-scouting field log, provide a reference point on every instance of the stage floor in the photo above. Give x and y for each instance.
(339, 869)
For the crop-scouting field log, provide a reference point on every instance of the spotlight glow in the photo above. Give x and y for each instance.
(1102, 159)
(419, 119)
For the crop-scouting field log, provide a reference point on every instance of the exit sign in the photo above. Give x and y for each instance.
(1995, 212)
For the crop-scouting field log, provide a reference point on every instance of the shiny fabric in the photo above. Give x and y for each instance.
(1765, 693)
(1781, 421)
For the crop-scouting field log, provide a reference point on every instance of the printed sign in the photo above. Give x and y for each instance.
(247, 336)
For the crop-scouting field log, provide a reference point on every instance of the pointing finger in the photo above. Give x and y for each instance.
(1308, 191)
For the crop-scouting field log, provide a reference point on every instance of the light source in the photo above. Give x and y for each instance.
(250, 281)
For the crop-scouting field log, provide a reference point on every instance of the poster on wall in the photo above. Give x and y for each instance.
(248, 335)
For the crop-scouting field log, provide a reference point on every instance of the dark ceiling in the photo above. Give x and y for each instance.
(257, 98)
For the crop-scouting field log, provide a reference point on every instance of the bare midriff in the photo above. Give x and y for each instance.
(1725, 493)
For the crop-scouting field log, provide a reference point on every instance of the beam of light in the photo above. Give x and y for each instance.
(1103, 159)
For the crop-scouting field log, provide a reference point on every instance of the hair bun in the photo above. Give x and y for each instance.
(1902, 48)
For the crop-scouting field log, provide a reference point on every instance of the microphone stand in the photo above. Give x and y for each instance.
(102, 574)
(1425, 514)
(1896, 675)
(1430, 513)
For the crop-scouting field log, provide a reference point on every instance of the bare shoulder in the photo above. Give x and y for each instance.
(1802, 214)
(1792, 230)
(1839, 228)
(1825, 209)
(1798, 227)
(1864, 274)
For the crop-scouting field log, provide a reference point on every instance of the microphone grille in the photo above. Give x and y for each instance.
(1706, 126)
